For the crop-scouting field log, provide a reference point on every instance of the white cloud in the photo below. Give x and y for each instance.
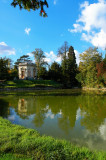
(102, 130)
(6, 50)
(27, 30)
(51, 57)
(78, 114)
(77, 56)
(92, 23)
(30, 54)
(50, 115)
(77, 27)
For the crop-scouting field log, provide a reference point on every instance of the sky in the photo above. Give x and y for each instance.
(81, 23)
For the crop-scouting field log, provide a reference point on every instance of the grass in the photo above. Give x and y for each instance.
(29, 83)
(13, 157)
(17, 142)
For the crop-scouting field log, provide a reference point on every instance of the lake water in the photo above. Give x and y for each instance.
(80, 119)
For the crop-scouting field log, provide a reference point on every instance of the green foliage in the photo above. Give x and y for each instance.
(7, 72)
(39, 60)
(87, 67)
(43, 73)
(32, 4)
(69, 66)
(13, 157)
(72, 67)
(22, 59)
(19, 141)
(4, 68)
(55, 72)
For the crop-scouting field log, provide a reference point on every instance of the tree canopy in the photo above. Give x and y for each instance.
(22, 59)
(39, 60)
(90, 68)
(32, 5)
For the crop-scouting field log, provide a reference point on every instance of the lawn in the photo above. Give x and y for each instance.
(29, 83)
(17, 142)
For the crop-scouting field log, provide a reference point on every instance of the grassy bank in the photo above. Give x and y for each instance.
(17, 142)
(29, 83)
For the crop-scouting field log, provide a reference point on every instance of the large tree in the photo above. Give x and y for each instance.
(32, 4)
(63, 52)
(71, 67)
(87, 67)
(39, 60)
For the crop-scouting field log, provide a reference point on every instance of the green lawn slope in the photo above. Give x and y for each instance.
(29, 83)
(17, 142)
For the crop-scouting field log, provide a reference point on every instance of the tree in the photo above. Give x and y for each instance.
(22, 59)
(101, 71)
(32, 4)
(87, 67)
(43, 73)
(71, 67)
(55, 72)
(62, 51)
(4, 68)
(39, 60)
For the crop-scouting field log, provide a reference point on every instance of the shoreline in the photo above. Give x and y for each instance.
(50, 88)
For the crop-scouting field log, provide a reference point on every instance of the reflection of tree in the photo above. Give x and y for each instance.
(4, 108)
(64, 124)
(69, 109)
(40, 110)
(37, 105)
(39, 119)
(94, 110)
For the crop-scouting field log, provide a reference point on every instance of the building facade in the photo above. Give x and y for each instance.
(27, 71)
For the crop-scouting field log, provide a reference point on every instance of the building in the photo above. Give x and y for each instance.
(27, 71)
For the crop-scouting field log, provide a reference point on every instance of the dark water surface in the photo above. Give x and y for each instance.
(79, 119)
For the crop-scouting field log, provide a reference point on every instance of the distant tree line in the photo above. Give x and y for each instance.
(91, 71)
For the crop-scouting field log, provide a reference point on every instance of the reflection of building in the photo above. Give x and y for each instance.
(22, 106)
(27, 70)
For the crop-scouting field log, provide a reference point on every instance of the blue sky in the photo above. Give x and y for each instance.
(81, 23)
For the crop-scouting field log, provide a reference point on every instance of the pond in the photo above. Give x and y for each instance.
(80, 119)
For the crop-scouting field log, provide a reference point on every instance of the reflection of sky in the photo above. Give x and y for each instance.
(49, 114)
(78, 115)
(78, 134)
(102, 130)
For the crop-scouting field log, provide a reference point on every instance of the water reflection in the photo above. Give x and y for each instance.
(4, 108)
(22, 107)
(79, 119)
